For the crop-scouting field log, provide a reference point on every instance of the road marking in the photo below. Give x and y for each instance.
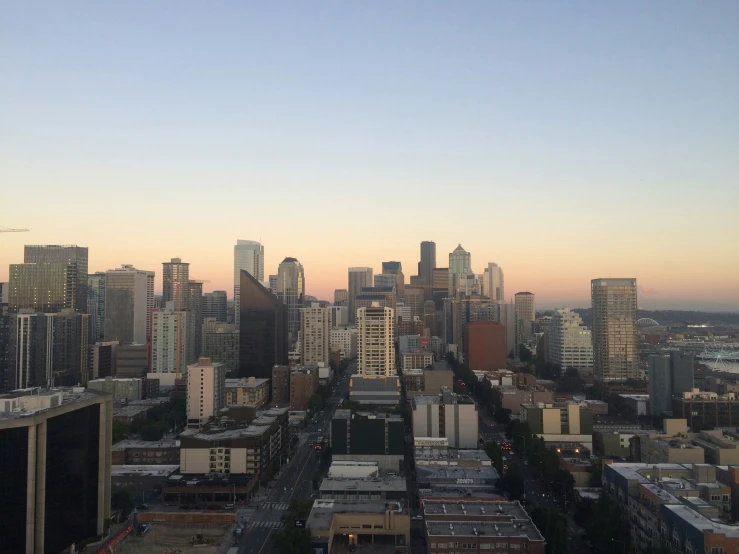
(265, 542)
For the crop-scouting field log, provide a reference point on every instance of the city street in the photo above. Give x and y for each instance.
(262, 517)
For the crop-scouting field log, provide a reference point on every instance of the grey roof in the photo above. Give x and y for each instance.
(323, 511)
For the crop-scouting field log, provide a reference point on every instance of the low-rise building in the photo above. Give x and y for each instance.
(361, 436)
(449, 415)
(303, 385)
(141, 481)
(426, 381)
(512, 398)
(707, 409)
(135, 452)
(121, 388)
(207, 489)
(569, 422)
(635, 406)
(375, 488)
(247, 392)
(281, 384)
(416, 359)
(438, 455)
(368, 389)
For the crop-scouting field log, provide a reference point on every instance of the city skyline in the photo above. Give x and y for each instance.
(570, 149)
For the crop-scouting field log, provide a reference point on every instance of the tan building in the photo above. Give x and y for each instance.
(247, 392)
(512, 398)
(427, 381)
(315, 337)
(376, 341)
(303, 385)
(343, 522)
(206, 391)
(416, 359)
(345, 340)
(414, 297)
(281, 383)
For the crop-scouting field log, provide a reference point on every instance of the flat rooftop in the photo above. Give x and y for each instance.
(143, 471)
(129, 411)
(519, 528)
(245, 383)
(323, 511)
(452, 491)
(122, 445)
(700, 522)
(470, 475)
(381, 484)
(448, 456)
(488, 508)
(30, 402)
(426, 399)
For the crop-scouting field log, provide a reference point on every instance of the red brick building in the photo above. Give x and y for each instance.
(484, 345)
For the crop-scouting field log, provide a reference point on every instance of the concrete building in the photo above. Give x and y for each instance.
(221, 344)
(215, 305)
(96, 304)
(525, 317)
(668, 375)
(569, 422)
(75, 259)
(570, 343)
(492, 283)
(460, 311)
(264, 339)
(359, 277)
(383, 280)
(615, 355)
(56, 461)
(315, 339)
(354, 489)
(375, 390)
(375, 342)
(303, 385)
(176, 283)
(206, 391)
(247, 392)
(168, 345)
(339, 317)
(375, 437)
(249, 257)
(129, 301)
(120, 388)
(341, 297)
(449, 415)
(416, 359)
(131, 360)
(280, 383)
(135, 452)
(707, 409)
(40, 287)
(291, 291)
(102, 360)
(512, 398)
(395, 269)
(484, 345)
(439, 286)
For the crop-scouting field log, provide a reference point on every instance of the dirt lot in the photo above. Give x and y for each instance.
(177, 537)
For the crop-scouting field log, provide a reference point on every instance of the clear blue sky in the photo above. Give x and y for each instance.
(604, 131)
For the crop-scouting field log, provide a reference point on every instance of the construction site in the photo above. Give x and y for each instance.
(178, 538)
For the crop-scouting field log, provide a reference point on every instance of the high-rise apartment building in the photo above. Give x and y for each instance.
(570, 342)
(168, 345)
(40, 287)
(460, 266)
(525, 317)
(129, 300)
(215, 305)
(315, 326)
(221, 344)
(206, 391)
(376, 341)
(339, 316)
(55, 462)
(669, 375)
(341, 297)
(428, 261)
(248, 256)
(291, 291)
(176, 283)
(263, 330)
(396, 269)
(195, 320)
(492, 282)
(359, 278)
(96, 304)
(75, 257)
(614, 329)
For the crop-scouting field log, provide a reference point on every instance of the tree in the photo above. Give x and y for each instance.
(123, 501)
(524, 354)
(596, 474)
(291, 539)
(152, 431)
(120, 430)
(512, 482)
(570, 382)
(503, 415)
(315, 403)
(492, 449)
(554, 528)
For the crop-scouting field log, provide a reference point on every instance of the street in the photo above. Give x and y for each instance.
(262, 517)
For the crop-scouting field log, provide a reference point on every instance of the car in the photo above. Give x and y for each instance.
(525, 462)
(418, 518)
(142, 507)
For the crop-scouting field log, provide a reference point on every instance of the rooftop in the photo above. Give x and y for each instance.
(691, 517)
(250, 383)
(517, 528)
(375, 484)
(129, 411)
(448, 456)
(451, 491)
(461, 475)
(122, 445)
(142, 470)
(29, 402)
(323, 510)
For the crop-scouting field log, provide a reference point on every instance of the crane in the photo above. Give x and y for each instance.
(9, 230)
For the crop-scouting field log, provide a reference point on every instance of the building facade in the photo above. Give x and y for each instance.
(249, 257)
(460, 266)
(484, 345)
(206, 391)
(75, 258)
(280, 384)
(668, 375)
(129, 301)
(221, 344)
(215, 305)
(247, 392)
(376, 342)
(168, 345)
(615, 355)
(291, 291)
(570, 343)
(525, 317)
(303, 385)
(315, 338)
(448, 415)
(492, 283)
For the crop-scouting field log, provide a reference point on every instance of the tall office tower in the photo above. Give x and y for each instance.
(492, 282)
(570, 342)
(291, 290)
(249, 256)
(129, 301)
(615, 357)
(668, 375)
(429, 317)
(195, 320)
(40, 287)
(4, 295)
(206, 391)
(505, 313)
(168, 345)
(221, 344)
(339, 316)
(466, 309)
(73, 256)
(341, 297)
(263, 336)
(96, 304)
(460, 265)
(315, 326)
(376, 342)
(272, 284)
(176, 283)
(395, 268)
(359, 277)
(215, 305)
(525, 317)
(56, 459)
(439, 286)
(415, 297)
(386, 280)
(27, 351)
(428, 261)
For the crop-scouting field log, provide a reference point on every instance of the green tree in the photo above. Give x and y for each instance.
(503, 415)
(512, 482)
(152, 431)
(570, 382)
(596, 474)
(554, 528)
(120, 431)
(524, 354)
(123, 501)
(315, 403)
(492, 449)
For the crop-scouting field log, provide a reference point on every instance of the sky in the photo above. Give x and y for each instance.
(564, 140)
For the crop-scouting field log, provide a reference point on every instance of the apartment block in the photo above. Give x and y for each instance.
(449, 415)
(221, 344)
(247, 392)
(206, 391)
(416, 359)
(303, 385)
(280, 383)
(315, 339)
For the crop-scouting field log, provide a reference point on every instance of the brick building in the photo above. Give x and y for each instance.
(484, 345)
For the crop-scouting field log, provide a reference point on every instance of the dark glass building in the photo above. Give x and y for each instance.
(75, 258)
(215, 305)
(59, 456)
(263, 336)
(360, 434)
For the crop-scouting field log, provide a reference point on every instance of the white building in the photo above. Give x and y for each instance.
(249, 256)
(375, 341)
(448, 415)
(339, 316)
(129, 300)
(570, 342)
(315, 324)
(206, 391)
(168, 345)
(492, 283)
(344, 340)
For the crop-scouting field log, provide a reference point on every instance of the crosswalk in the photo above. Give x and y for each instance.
(267, 524)
(274, 505)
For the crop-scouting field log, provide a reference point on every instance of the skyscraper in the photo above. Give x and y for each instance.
(460, 266)
(96, 304)
(341, 297)
(42, 287)
(215, 305)
(263, 336)
(249, 256)
(176, 283)
(359, 278)
(525, 317)
(73, 256)
(376, 342)
(129, 300)
(395, 268)
(492, 282)
(615, 356)
(315, 326)
(169, 347)
(668, 375)
(428, 261)
(195, 320)
(570, 342)
(291, 290)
